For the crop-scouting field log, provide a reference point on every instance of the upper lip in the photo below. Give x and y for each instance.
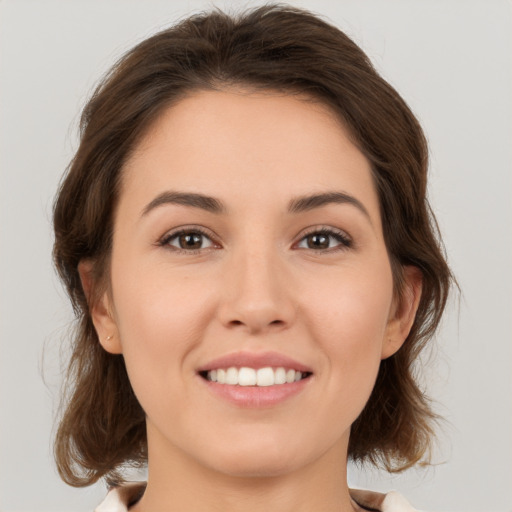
(254, 360)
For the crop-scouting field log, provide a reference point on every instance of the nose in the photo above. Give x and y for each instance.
(258, 294)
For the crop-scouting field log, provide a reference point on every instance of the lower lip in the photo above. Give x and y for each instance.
(255, 396)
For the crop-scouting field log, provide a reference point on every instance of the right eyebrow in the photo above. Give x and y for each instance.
(192, 199)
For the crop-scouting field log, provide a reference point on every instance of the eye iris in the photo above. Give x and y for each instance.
(191, 240)
(318, 241)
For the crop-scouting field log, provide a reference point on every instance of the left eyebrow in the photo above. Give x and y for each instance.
(306, 203)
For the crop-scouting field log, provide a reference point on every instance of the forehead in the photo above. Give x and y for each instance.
(241, 145)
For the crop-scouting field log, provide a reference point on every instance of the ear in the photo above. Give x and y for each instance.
(100, 309)
(403, 312)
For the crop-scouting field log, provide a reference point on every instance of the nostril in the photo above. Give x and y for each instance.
(273, 322)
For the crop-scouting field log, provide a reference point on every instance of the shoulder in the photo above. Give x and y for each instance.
(379, 502)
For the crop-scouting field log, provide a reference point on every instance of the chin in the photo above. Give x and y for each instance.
(252, 459)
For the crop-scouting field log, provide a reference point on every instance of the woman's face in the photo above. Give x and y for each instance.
(248, 235)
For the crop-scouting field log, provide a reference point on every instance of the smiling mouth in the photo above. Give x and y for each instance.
(262, 377)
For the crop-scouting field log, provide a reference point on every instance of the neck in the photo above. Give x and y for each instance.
(176, 482)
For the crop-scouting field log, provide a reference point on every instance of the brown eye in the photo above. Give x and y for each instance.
(317, 241)
(324, 240)
(188, 241)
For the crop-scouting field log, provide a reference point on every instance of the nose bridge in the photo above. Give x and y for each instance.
(258, 296)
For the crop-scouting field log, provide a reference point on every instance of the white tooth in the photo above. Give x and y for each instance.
(232, 376)
(247, 377)
(265, 376)
(221, 376)
(280, 376)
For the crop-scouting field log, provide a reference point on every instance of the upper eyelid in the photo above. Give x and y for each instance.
(171, 233)
(325, 229)
(322, 228)
(207, 232)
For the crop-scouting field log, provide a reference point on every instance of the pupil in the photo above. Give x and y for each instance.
(191, 241)
(318, 241)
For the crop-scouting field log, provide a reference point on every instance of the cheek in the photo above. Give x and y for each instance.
(348, 317)
(160, 320)
(352, 306)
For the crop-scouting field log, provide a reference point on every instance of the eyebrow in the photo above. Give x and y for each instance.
(201, 201)
(310, 202)
(296, 205)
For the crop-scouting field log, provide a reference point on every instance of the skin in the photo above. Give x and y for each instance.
(255, 284)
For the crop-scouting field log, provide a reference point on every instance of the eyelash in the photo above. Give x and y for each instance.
(345, 242)
(166, 239)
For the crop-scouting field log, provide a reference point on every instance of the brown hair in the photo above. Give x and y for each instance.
(276, 48)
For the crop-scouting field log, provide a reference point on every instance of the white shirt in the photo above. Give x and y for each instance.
(119, 498)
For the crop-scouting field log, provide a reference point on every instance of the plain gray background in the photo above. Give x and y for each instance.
(451, 60)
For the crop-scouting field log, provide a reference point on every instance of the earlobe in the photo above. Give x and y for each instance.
(404, 313)
(100, 310)
(111, 343)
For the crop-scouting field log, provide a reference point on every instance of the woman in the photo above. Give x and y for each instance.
(245, 237)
